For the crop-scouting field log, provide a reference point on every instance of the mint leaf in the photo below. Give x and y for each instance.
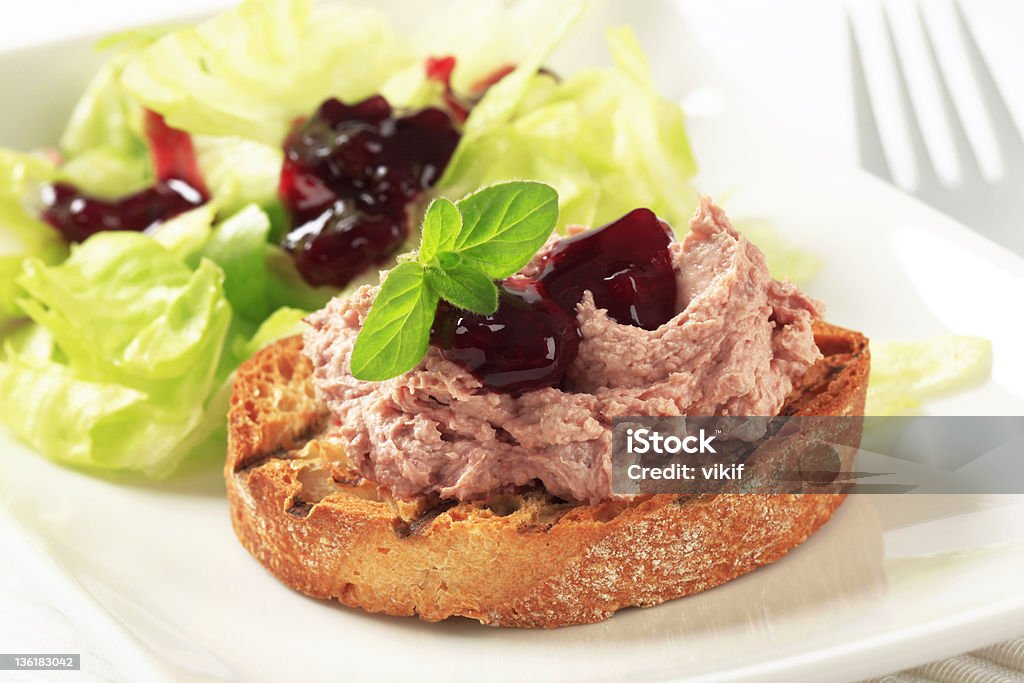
(504, 225)
(441, 227)
(465, 247)
(396, 333)
(462, 284)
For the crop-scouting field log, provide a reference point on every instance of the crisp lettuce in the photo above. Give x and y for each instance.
(187, 234)
(21, 172)
(238, 171)
(604, 138)
(124, 308)
(904, 374)
(259, 277)
(137, 338)
(30, 342)
(128, 360)
(105, 152)
(21, 235)
(487, 35)
(484, 36)
(282, 323)
(238, 246)
(101, 153)
(250, 71)
(85, 423)
(266, 297)
(104, 147)
(499, 104)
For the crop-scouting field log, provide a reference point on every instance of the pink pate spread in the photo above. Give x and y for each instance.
(735, 347)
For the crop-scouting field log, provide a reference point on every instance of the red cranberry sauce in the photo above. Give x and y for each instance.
(533, 337)
(626, 265)
(174, 157)
(349, 174)
(529, 342)
(440, 69)
(179, 187)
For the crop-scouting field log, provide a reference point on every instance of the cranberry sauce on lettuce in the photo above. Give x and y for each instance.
(738, 340)
(232, 172)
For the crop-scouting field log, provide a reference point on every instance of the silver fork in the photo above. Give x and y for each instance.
(995, 208)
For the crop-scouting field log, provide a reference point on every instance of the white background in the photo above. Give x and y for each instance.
(791, 55)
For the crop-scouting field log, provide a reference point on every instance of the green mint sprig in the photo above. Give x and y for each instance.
(465, 247)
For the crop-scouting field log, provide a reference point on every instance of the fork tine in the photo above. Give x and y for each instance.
(1005, 130)
(869, 142)
(969, 168)
(926, 176)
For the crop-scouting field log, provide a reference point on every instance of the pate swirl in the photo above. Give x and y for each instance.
(735, 347)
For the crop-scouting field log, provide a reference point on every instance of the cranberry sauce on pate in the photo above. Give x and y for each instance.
(732, 342)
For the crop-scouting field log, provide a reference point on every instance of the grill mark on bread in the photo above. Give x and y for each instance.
(256, 463)
(284, 452)
(635, 559)
(420, 525)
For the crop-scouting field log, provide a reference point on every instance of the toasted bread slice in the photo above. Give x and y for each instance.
(520, 560)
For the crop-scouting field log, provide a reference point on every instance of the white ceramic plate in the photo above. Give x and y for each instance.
(891, 581)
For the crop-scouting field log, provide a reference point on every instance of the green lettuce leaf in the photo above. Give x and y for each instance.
(29, 341)
(499, 103)
(105, 116)
(21, 172)
(904, 374)
(281, 323)
(187, 234)
(94, 424)
(137, 340)
(250, 71)
(106, 154)
(22, 236)
(259, 277)
(238, 171)
(487, 35)
(238, 246)
(104, 147)
(604, 138)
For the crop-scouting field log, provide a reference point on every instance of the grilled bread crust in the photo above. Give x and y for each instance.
(526, 560)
